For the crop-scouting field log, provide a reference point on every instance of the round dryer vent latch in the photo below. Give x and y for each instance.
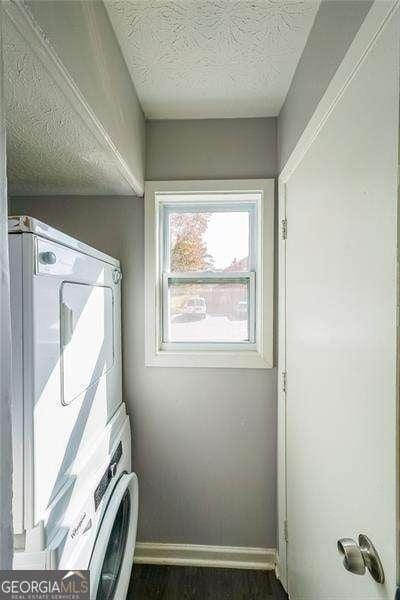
(117, 276)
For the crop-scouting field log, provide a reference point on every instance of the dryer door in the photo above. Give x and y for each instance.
(112, 557)
(87, 336)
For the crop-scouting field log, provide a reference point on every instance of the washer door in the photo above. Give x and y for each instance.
(112, 557)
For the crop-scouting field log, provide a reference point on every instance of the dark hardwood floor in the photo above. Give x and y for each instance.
(153, 582)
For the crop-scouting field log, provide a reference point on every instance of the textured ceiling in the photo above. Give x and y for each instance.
(50, 149)
(211, 58)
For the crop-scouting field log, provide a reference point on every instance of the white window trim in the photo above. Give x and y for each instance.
(257, 356)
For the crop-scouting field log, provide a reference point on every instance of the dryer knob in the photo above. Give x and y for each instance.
(117, 276)
(47, 258)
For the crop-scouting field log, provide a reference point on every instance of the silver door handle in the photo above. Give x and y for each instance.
(357, 558)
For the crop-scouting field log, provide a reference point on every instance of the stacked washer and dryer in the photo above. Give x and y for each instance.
(75, 498)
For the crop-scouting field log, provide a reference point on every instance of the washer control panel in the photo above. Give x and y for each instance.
(108, 475)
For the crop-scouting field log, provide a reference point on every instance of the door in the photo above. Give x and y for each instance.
(341, 407)
(112, 558)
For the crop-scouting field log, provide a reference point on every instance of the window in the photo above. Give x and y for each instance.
(209, 273)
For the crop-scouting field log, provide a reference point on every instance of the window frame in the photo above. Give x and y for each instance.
(162, 197)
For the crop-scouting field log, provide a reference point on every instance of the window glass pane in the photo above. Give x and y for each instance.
(208, 312)
(209, 241)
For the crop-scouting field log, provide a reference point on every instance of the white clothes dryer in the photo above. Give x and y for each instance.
(66, 342)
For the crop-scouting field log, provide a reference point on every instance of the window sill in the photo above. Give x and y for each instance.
(209, 359)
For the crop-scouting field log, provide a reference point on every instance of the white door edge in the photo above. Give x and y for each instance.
(380, 14)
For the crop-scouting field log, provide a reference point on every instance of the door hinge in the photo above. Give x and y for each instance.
(285, 531)
(284, 229)
(284, 381)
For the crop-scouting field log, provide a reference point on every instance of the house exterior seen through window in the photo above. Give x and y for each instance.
(205, 255)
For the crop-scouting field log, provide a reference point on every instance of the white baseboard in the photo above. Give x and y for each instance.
(230, 557)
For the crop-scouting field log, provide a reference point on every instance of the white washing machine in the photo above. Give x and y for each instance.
(74, 492)
(92, 524)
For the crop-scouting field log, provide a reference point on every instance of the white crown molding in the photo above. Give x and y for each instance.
(228, 557)
(35, 37)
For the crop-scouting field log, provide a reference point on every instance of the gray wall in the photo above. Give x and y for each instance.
(204, 439)
(211, 149)
(335, 26)
(82, 35)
